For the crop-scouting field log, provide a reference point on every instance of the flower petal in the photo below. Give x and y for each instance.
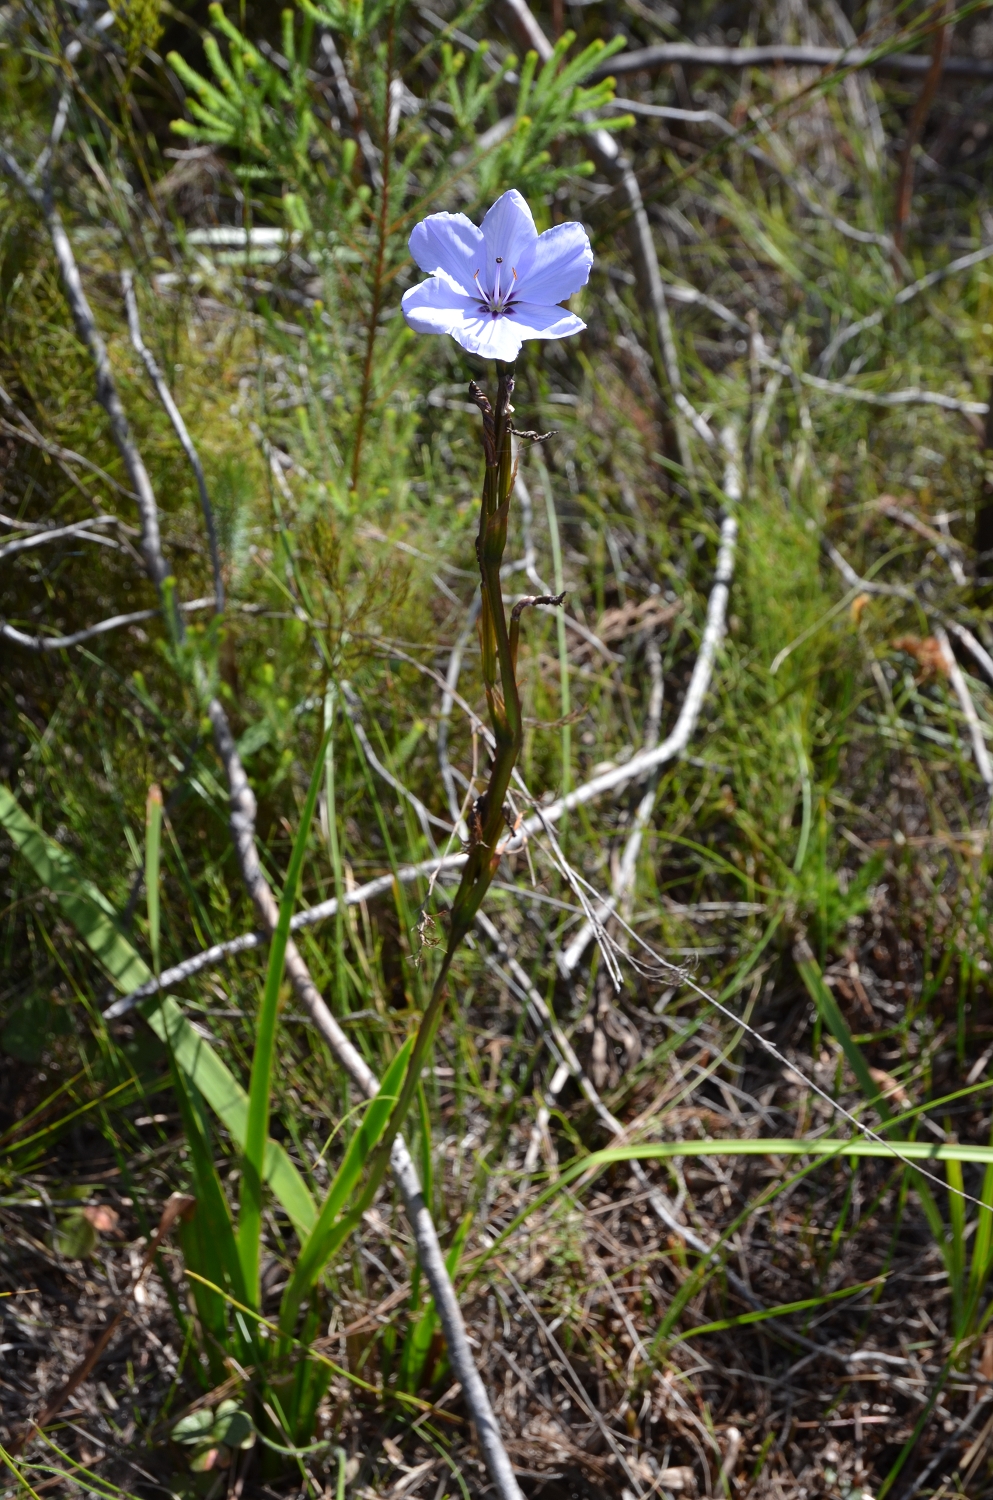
(509, 232)
(537, 320)
(438, 305)
(450, 243)
(490, 337)
(559, 265)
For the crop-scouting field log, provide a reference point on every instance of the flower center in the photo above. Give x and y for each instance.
(498, 301)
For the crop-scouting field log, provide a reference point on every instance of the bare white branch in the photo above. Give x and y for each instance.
(63, 642)
(789, 174)
(180, 429)
(675, 743)
(957, 679)
(779, 54)
(80, 529)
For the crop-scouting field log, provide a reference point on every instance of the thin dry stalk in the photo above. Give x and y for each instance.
(940, 47)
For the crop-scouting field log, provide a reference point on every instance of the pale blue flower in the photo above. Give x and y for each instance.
(493, 287)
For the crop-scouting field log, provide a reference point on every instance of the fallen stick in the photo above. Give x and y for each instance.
(688, 55)
(40, 537)
(957, 679)
(180, 429)
(787, 173)
(911, 396)
(65, 457)
(114, 622)
(941, 43)
(978, 651)
(675, 743)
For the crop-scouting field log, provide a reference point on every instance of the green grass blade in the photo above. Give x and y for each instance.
(86, 907)
(153, 856)
(257, 1123)
(861, 1146)
(328, 1231)
(956, 1242)
(807, 1305)
(827, 1007)
(563, 644)
(334, 850)
(982, 1249)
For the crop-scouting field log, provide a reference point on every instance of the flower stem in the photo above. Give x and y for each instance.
(488, 818)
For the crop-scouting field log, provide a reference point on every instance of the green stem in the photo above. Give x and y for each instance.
(500, 682)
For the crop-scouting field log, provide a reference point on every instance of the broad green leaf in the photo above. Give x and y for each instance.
(206, 1460)
(75, 1237)
(193, 1428)
(233, 1427)
(81, 903)
(207, 1237)
(94, 918)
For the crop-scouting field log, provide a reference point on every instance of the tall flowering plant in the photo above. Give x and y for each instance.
(491, 288)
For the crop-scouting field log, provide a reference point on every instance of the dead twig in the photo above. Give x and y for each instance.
(957, 679)
(778, 54)
(940, 46)
(64, 642)
(181, 430)
(905, 295)
(81, 529)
